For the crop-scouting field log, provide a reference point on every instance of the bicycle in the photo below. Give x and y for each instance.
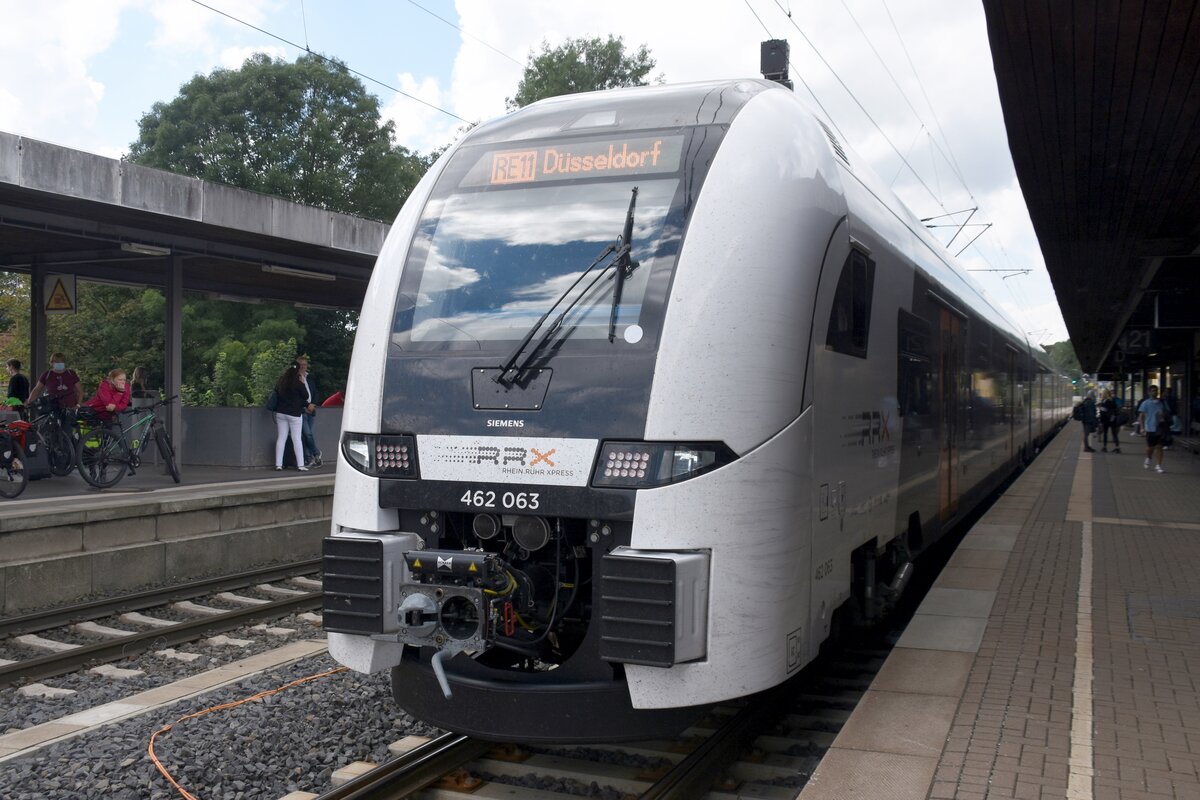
(52, 426)
(13, 478)
(106, 450)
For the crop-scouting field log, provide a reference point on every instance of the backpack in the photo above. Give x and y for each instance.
(272, 401)
(1077, 412)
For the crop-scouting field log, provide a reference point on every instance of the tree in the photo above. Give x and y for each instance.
(306, 131)
(581, 65)
(1063, 356)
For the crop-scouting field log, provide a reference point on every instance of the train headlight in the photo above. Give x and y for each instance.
(381, 456)
(642, 465)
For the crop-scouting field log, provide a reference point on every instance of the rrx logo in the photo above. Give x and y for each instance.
(505, 456)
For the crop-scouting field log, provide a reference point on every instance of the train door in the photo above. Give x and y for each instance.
(951, 402)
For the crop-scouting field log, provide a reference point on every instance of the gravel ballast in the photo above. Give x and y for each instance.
(17, 712)
(290, 741)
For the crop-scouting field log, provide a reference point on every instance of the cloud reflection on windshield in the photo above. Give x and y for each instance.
(498, 260)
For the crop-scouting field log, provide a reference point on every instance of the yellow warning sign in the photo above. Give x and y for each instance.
(472, 568)
(416, 563)
(60, 294)
(59, 300)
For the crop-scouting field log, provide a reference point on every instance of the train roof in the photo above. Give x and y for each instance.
(638, 107)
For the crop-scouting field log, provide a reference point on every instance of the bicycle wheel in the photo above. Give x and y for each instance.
(60, 448)
(167, 451)
(102, 457)
(13, 479)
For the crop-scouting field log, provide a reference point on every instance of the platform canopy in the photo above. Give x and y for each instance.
(1102, 105)
(73, 212)
(67, 212)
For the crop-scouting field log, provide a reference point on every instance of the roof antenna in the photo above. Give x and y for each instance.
(773, 61)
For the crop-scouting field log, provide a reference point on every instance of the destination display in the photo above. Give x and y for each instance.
(642, 155)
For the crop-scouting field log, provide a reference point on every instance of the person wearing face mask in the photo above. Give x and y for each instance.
(58, 383)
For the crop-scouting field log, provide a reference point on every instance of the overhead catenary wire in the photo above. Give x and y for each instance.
(328, 60)
(947, 154)
(858, 103)
(304, 19)
(921, 85)
(904, 95)
(804, 83)
(468, 35)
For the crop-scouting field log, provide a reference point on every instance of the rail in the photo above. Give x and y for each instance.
(412, 771)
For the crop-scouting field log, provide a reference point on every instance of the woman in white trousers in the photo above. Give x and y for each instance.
(292, 396)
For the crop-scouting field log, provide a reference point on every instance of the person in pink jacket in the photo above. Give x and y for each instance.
(112, 395)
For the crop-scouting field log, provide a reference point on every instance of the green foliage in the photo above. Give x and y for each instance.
(581, 65)
(1063, 355)
(268, 366)
(306, 131)
(222, 341)
(14, 317)
(114, 327)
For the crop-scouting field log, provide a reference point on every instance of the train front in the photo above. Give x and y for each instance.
(536, 527)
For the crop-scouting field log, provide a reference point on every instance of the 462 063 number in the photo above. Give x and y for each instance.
(486, 498)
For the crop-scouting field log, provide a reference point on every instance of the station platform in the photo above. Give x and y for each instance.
(1058, 653)
(62, 541)
(150, 478)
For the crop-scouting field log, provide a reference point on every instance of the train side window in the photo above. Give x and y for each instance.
(914, 375)
(850, 319)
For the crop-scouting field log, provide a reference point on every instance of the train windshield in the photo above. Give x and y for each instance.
(507, 231)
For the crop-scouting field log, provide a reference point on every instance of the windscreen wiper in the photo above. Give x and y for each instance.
(625, 265)
(508, 363)
(555, 326)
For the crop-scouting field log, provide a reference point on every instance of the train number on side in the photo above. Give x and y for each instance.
(824, 569)
(486, 498)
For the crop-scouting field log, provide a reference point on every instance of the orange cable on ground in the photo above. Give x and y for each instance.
(222, 707)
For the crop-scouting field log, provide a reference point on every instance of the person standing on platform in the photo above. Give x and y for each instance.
(18, 384)
(1152, 415)
(1109, 411)
(59, 383)
(312, 453)
(1089, 420)
(289, 408)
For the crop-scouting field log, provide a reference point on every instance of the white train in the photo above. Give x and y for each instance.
(648, 386)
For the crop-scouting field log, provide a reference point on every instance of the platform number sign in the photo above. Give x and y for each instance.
(59, 294)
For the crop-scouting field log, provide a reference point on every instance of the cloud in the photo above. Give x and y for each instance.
(50, 92)
(420, 127)
(186, 28)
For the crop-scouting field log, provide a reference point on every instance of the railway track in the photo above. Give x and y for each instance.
(765, 747)
(159, 633)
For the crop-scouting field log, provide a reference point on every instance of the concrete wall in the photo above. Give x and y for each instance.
(119, 545)
(245, 437)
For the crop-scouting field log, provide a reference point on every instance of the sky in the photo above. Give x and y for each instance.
(908, 84)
